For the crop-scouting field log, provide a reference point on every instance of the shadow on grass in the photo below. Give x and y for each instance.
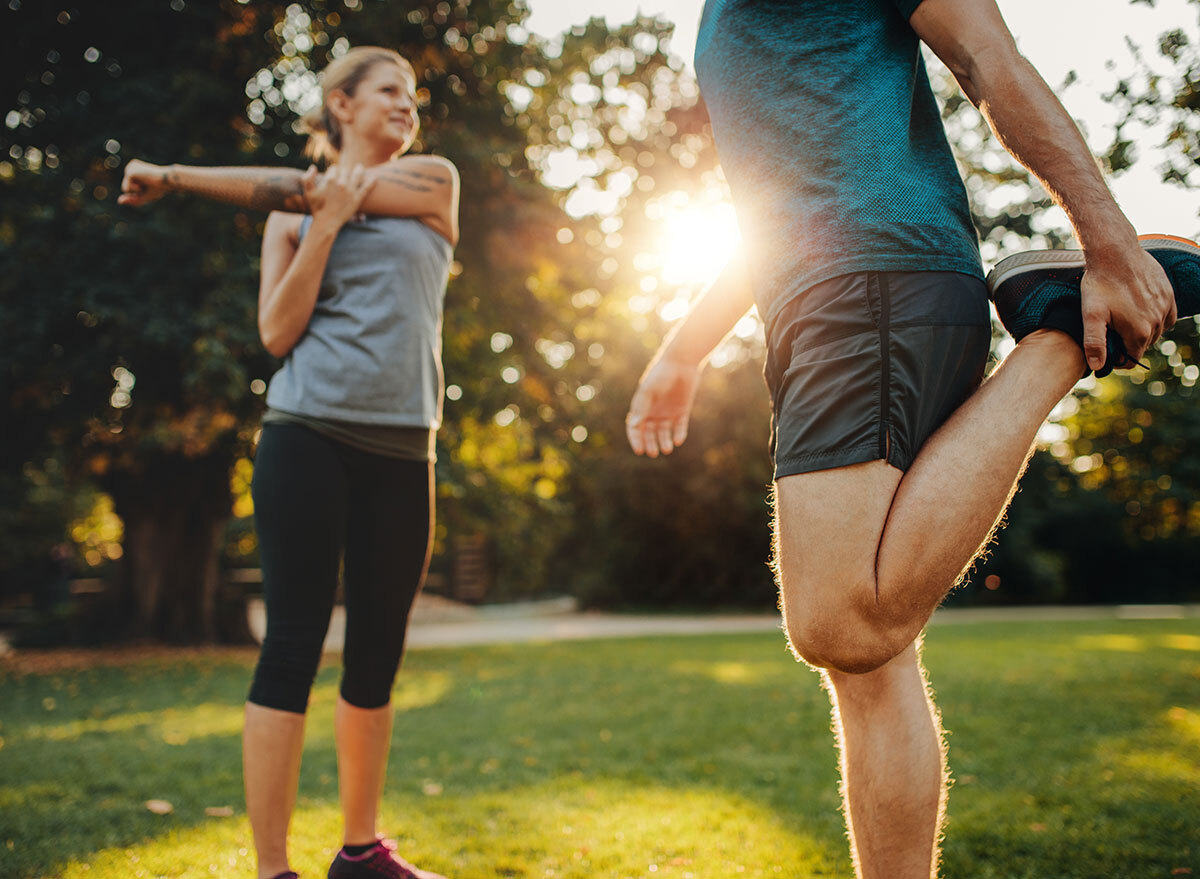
(696, 755)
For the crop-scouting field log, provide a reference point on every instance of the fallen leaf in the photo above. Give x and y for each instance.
(159, 807)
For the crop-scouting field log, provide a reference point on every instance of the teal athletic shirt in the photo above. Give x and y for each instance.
(832, 143)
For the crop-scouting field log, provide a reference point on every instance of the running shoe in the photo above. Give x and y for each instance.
(380, 861)
(1040, 288)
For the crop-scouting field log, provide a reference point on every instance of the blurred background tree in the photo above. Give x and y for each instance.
(594, 210)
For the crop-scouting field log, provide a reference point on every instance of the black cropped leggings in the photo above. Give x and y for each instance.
(320, 505)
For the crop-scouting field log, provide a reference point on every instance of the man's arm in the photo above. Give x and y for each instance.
(661, 406)
(1123, 286)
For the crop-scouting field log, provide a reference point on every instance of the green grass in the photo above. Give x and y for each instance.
(1076, 749)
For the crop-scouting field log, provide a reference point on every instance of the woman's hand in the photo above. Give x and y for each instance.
(337, 195)
(144, 183)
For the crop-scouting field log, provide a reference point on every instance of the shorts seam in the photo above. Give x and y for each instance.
(828, 460)
(825, 453)
(885, 363)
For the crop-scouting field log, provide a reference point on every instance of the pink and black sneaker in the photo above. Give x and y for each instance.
(380, 861)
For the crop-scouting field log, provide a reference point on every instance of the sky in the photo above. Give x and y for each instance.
(1056, 35)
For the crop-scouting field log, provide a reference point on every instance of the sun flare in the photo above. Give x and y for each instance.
(698, 241)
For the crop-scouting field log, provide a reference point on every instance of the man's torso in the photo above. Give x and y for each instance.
(832, 142)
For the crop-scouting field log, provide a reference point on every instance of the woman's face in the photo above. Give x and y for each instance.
(384, 107)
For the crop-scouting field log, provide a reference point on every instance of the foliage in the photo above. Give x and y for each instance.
(1152, 97)
(128, 345)
(705, 755)
(537, 335)
(130, 360)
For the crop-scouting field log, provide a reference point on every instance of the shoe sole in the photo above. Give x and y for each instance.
(1038, 260)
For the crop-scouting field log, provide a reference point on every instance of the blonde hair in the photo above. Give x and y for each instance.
(343, 74)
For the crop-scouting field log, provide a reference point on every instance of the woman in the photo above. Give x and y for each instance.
(354, 269)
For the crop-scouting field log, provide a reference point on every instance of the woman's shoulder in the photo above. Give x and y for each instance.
(433, 169)
(428, 159)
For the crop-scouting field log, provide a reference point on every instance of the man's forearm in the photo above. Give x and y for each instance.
(1032, 124)
(259, 189)
(711, 318)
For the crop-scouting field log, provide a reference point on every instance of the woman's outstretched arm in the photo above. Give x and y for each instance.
(262, 189)
(422, 187)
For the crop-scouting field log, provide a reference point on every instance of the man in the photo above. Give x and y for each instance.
(893, 465)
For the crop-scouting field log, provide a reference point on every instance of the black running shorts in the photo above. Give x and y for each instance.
(865, 367)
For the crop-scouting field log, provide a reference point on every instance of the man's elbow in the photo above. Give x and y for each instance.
(980, 73)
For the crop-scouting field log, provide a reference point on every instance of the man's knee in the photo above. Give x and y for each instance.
(840, 630)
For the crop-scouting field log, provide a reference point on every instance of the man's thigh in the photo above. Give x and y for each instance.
(828, 525)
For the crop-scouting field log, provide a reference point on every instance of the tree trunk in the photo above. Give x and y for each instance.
(174, 509)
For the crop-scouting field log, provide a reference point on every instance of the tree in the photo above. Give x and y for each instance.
(137, 362)
(128, 344)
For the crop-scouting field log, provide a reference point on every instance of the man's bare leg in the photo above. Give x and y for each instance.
(865, 553)
(893, 767)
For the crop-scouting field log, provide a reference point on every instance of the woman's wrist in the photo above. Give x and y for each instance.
(323, 223)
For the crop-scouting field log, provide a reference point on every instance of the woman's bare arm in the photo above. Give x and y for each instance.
(425, 187)
(292, 267)
(290, 280)
(422, 187)
(263, 189)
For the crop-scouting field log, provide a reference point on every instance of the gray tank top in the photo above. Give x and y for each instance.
(372, 352)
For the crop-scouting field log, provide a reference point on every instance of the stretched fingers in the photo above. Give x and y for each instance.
(665, 436)
(633, 433)
(650, 439)
(681, 430)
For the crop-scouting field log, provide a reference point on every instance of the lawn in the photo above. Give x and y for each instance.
(1075, 747)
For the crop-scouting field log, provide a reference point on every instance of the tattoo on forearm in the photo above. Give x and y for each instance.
(279, 192)
(260, 189)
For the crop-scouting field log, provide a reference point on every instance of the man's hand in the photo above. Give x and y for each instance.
(144, 183)
(661, 406)
(1124, 288)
